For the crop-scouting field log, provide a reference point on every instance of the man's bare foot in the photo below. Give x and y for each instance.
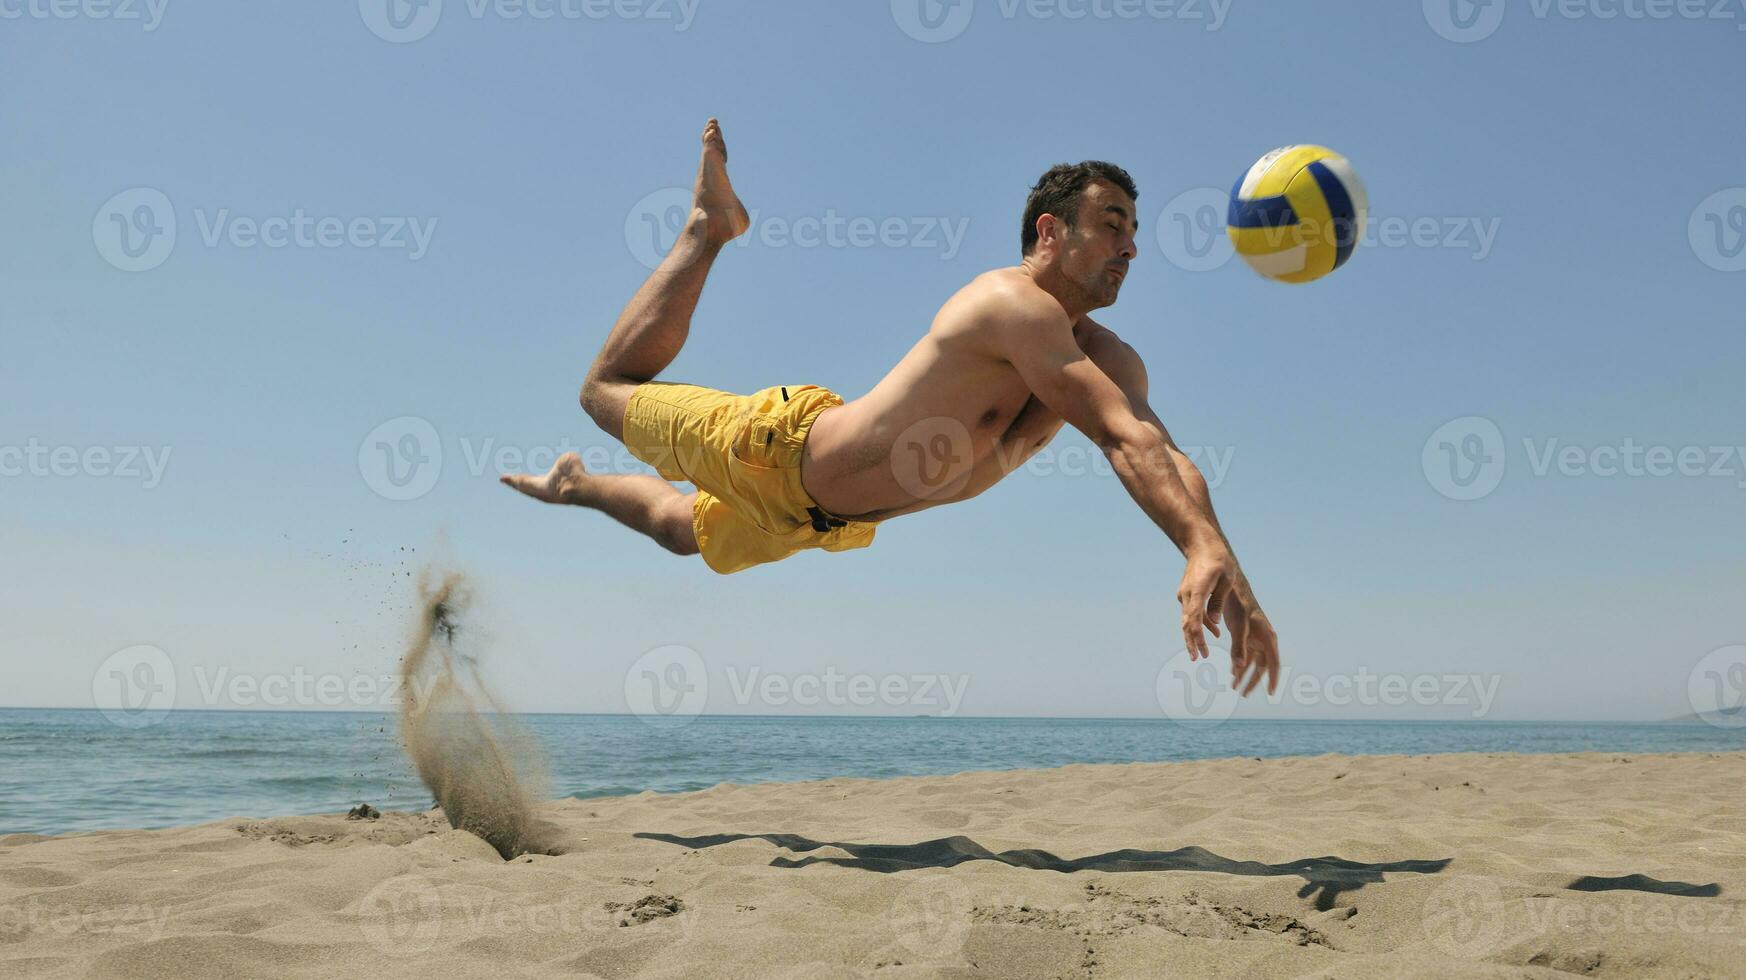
(724, 216)
(562, 485)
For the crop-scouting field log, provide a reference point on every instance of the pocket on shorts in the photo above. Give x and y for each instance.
(765, 479)
(759, 443)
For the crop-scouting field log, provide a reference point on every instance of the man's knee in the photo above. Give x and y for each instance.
(604, 399)
(675, 530)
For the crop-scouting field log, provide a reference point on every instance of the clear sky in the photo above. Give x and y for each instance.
(1573, 183)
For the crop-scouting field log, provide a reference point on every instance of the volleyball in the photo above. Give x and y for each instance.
(1298, 213)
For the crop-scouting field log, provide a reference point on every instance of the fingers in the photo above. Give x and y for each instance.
(1265, 654)
(1215, 606)
(1193, 617)
(1239, 650)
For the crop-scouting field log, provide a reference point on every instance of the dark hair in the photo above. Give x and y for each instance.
(1059, 189)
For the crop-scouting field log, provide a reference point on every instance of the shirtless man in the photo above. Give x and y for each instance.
(1009, 358)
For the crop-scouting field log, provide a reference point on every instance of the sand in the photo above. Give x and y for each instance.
(1457, 866)
(482, 770)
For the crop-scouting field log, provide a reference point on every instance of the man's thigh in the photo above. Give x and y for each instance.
(686, 432)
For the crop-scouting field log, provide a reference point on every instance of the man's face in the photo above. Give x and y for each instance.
(1096, 251)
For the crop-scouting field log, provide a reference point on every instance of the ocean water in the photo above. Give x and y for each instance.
(66, 770)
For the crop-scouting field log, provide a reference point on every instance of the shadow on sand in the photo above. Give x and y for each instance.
(1324, 877)
(1644, 883)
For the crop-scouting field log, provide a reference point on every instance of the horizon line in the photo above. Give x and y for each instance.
(897, 717)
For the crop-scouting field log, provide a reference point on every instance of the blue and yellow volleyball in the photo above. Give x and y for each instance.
(1298, 213)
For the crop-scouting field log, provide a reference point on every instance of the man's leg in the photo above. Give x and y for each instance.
(643, 342)
(652, 329)
(642, 503)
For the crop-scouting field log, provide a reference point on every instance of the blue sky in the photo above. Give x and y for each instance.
(1577, 182)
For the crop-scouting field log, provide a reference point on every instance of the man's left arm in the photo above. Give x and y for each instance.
(1253, 641)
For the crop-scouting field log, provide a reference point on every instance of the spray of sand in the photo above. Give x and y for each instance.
(483, 770)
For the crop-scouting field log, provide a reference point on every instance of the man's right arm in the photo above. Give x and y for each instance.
(1037, 339)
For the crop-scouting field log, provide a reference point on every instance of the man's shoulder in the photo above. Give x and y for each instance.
(1008, 296)
(1115, 356)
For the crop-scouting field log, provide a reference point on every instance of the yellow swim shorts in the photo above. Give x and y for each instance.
(743, 454)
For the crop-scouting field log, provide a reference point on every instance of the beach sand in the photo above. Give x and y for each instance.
(1457, 866)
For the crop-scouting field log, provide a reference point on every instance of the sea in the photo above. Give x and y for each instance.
(64, 771)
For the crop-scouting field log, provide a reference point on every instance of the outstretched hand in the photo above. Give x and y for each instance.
(1206, 585)
(1210, 592)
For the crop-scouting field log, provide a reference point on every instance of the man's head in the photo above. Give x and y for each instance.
(1080, 222)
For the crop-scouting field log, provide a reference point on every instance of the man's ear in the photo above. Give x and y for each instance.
(1049, 228)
